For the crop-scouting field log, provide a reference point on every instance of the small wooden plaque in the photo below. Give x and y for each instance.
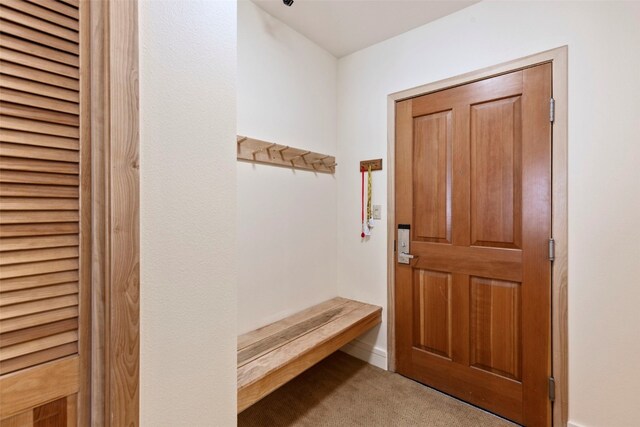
(376, 165)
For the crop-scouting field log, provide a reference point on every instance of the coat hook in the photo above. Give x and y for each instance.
(269, 148)
(304, 159)
(300, 156)
(263, 149)
(281, 151)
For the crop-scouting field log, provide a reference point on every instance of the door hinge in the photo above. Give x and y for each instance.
(552, 249)
(394, 247)
(552, 110)
(552, 389)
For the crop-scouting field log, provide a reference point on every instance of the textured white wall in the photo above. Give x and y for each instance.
(604, 177)
(286, 219)
(188, 193)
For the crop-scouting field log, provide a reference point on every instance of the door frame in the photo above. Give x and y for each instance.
(112, 394)
(559, 281)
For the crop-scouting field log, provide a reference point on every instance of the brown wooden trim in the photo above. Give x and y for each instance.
(124, 301)
(558, 58)
(100, 210)
(82, 401)
(115, 187)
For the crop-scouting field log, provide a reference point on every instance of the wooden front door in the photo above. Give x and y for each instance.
(473, 186)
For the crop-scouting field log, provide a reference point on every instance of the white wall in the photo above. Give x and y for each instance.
(286, 219)
(604, 177)
(188, 192)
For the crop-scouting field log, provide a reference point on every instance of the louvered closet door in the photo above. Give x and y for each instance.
(40, 210)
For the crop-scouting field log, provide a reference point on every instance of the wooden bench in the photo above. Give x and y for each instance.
(272, 355)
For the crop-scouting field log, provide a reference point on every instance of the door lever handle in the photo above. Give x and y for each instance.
(404, 258)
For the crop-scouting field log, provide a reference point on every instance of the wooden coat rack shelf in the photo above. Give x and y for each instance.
(255, 150)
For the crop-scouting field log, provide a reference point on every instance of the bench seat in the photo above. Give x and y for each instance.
(274, 354)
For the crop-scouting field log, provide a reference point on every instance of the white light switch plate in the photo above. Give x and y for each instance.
(377, 212)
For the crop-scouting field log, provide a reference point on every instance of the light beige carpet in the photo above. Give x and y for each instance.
(344, 391)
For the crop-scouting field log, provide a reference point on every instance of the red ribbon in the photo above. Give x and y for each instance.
(362, 204)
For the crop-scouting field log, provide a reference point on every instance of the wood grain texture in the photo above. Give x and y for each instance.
(396, 102)
(38, 280)
(31, 165)
(12, 69)
(499, 296)
(496, 173)
(69, 310)
(38, 63)
(52, 414)
(38, 357)
(40, 331)
(31, 152)
(42, 13)
(74, 415)
(257, 335)
(41, 25)
(59, 7)
(289, 358)
(496, 327)
(20, 391)
(292, 332)
(20, 124)
(258, 151)
(40, 225)
(17, 297)
(123, 293)
(100, 107)
(560, 227)
(38, 37)
(432, 301)
(17, 110)
(38, 344)
(80, 412)
(38, 50)
(22, 243)
(24, 419)
(433, 177)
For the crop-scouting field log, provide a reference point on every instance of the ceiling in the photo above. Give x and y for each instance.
(345, 26)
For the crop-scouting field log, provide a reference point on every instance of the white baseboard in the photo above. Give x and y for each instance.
(370, 354)
(570, 424)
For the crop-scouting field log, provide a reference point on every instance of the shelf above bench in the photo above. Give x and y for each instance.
(273, 355)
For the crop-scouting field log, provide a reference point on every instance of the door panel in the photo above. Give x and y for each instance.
(432, 312)
(432, 178)
(496, 344)
(496, 173)
(473, 182)
(44, 219)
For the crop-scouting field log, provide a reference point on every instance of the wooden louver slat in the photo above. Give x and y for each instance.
(40, 182)
(9, 285)
(12, 69)
(43, 13)
(38, 242)
(36, 88)
(40, 114)
(24, 335)
(39, 37)
(38, 24)
(38, 178)
(59, 7)
(38, 50)
(38, 63)
(23, 322)
(23, 98)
